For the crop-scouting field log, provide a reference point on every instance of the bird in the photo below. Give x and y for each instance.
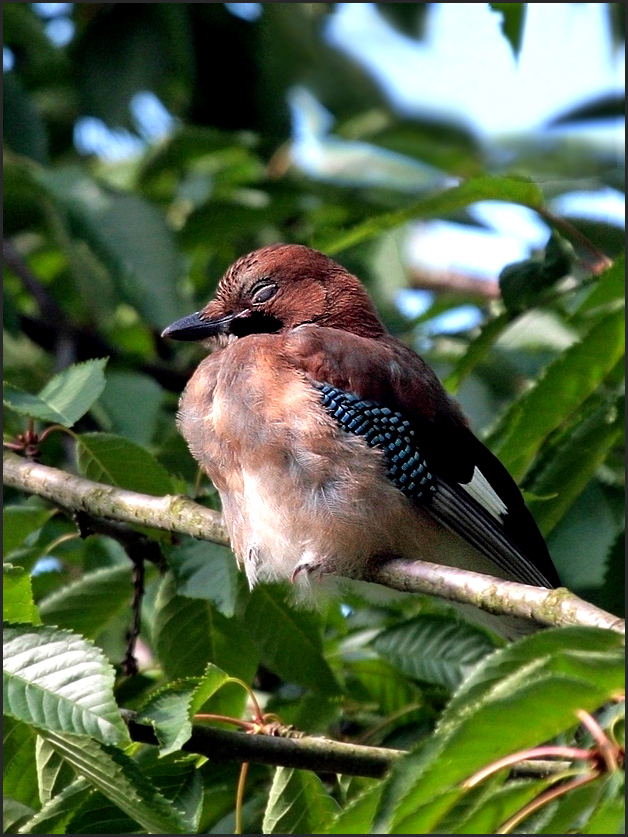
(333, 445)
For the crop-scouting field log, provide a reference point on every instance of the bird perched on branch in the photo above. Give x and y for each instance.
(332, 444)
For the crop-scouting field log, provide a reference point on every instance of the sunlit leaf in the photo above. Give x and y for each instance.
(298, 804)
(17, 596)
(113, 773)
(171, 709)
(56, 680)
(65, 398)
(441, 204)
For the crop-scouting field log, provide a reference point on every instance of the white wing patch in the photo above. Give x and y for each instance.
(481, 490)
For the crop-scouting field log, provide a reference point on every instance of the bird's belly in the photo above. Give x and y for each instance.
(334, 514)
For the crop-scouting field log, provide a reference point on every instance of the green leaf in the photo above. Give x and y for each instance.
(19, 775)
(190, 633)
(131, 404)
(59, 681)
(610, 287)
(288, 639)
(612, 594)
(177, 779)
(560, 670)
(392, 691)
(477, 350)
(114, 460)
(57, 812)
(298, 804)
(357, 817)
(434, 649)
(170, 710)
(562, 388)
(23, 127)
(14, 814)
(53, 773)
(512, 23)
(205, 571)
(572, 813)
(522, 283)
(65, 398)
(131, 238)
(443, 203)
(17, 596)
(571, 465)
(89, 604)
(115, 775)
(18, 522)
(493, 807)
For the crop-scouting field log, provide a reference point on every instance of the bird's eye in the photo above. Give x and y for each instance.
(263, 293)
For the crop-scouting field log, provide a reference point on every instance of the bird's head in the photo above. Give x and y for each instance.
(277, 289)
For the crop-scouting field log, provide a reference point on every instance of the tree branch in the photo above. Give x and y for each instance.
(323, 755)
(173, 513)
(184, 516)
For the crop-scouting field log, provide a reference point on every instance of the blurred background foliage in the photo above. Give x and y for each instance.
(149, 145)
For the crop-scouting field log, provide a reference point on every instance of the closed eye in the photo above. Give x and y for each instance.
(263, 293)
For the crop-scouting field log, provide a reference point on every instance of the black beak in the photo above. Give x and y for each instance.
(194, 327)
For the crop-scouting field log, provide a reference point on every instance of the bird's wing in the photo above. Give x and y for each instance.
(382, 391)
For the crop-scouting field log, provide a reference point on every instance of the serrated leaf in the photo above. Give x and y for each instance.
(563, 387)
(17, 596)
(171, 709)
(115, 775)
(571, 813)
(176, 779)
(90, 603)
(57, 812)
(65, 398)
(57, 680)
(570, 466)
(73, 391)
(190, 633)
(441, 204)
(612, 594)
(18, 522)
(391, 690)
(14, 813)
(493, 807)
(53, 773)
(205, 571)
(288, 639)
(114, 460)
(561, 670)
(433, 649)
(610, 287)
(27, 404)
(357, 817)
(19, 776)
(298, 804)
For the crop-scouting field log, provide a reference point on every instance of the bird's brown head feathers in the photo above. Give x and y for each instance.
(279, 288)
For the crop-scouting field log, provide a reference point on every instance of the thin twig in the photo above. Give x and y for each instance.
(543, 799)
(571, 753)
